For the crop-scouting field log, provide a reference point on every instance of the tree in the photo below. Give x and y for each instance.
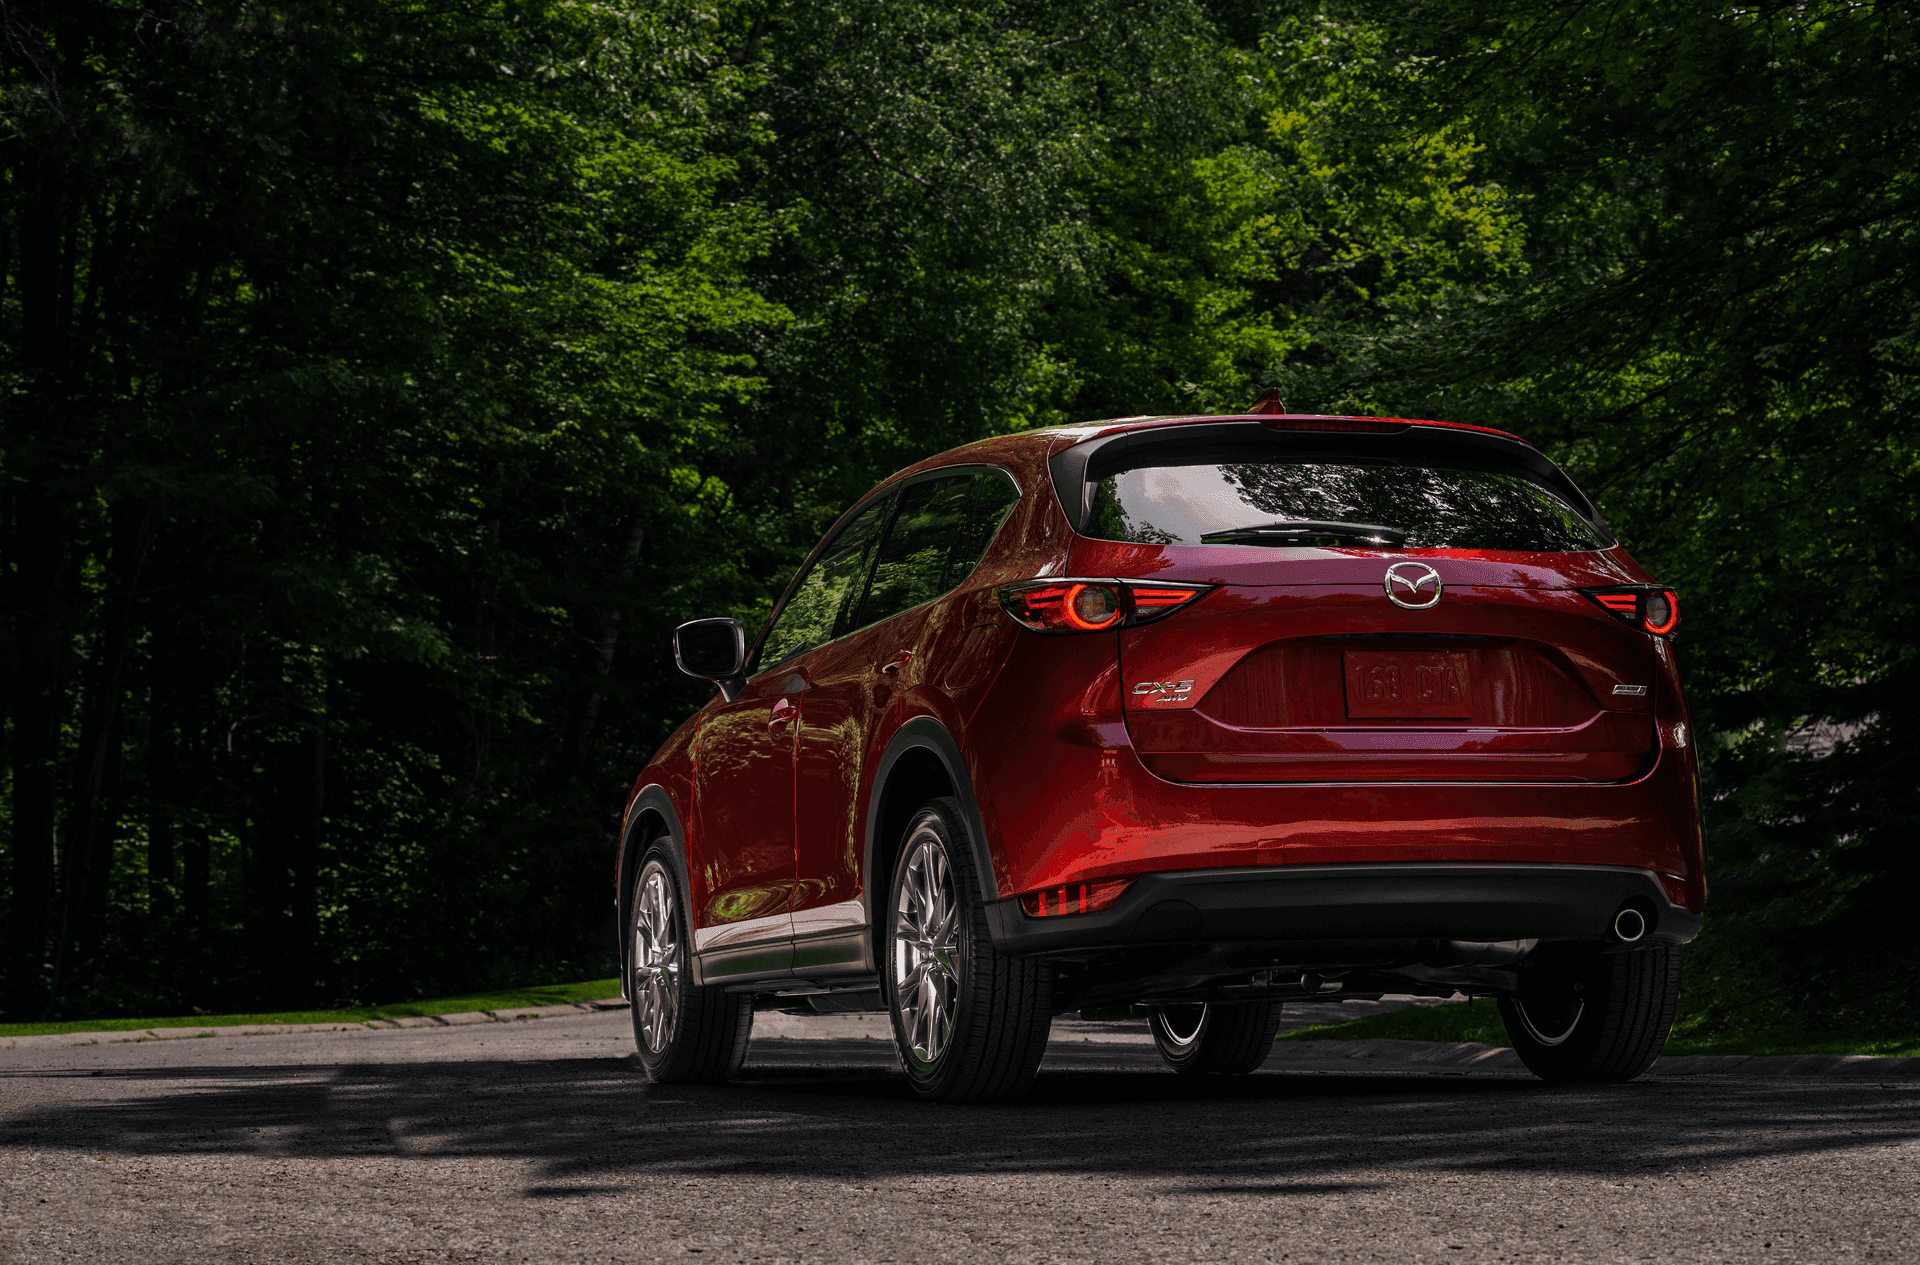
(1715, 328)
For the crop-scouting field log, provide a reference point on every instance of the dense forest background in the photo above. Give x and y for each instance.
(383, 380)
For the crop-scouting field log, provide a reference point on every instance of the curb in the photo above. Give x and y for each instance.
(1465, 1056)
(458, 1019)
(1379, 1055)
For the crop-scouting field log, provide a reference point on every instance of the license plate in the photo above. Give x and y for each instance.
(1408, 684)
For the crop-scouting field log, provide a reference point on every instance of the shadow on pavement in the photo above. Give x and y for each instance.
(822, 1113)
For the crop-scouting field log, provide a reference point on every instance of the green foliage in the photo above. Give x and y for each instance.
(1714, 329)
(485, 1003)
(383, 383)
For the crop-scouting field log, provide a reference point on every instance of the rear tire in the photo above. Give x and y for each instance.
(1605, 1020)
(970, 1022)
(684, 1033)
(1231, 1039)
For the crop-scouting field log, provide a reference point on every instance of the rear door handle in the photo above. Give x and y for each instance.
(901, 661)
(782, 712)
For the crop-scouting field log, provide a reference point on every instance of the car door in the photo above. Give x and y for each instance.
(939, 531)
(744, 768)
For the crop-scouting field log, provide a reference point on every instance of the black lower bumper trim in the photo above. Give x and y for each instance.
(1451, 901)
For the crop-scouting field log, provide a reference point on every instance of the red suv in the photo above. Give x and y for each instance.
(1188, 718)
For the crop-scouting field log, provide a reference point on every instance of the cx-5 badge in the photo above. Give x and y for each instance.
(1412, 577)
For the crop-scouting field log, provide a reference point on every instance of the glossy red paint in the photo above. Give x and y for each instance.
(1257, 725)
(743, 792)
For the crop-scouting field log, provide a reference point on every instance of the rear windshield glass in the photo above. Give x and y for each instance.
(1222, 496)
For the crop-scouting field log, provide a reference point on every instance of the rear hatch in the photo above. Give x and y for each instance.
(1403, 605)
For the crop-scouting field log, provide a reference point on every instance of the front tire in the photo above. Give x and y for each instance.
(970, 1022)
(1605, 1020)
(683, 1032)
(1233, 1039)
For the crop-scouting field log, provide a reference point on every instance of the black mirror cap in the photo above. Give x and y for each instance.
(713, 649)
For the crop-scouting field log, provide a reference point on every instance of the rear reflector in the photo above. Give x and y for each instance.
(1074, 898)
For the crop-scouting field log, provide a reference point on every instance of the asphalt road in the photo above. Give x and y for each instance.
(542, 1141)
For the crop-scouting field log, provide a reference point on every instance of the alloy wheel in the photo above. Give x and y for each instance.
(926, 945)
(1181, 1026)
(656, 959)
(1550, 1022)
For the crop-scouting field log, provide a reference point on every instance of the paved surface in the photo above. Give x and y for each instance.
(541, 1141)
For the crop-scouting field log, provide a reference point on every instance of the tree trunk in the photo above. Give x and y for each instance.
(306, 793)
(88, 853)
(586, 710)
(36, 745)
(163, 770)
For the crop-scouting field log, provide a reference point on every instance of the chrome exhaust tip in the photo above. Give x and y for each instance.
(1629, 925)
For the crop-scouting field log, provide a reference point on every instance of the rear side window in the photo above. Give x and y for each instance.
(829, 587)
(1223, 495)
(938, 536)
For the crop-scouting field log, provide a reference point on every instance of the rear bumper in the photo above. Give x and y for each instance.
(1302, 904)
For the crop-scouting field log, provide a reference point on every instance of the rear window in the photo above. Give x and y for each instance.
(1250, 496)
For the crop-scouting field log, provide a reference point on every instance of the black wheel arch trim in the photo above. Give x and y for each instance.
(929, 734)
(652, 799)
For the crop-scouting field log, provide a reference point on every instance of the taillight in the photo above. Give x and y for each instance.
(1074, 898)
(1071, 606)
(1649, 607)
(1662, 613)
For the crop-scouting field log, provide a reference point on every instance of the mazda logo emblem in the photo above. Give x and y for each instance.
(1411, 578)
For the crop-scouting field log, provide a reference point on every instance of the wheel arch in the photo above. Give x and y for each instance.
(650, 816)
(921, 762)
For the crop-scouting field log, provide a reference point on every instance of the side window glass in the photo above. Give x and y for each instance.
(993, 497)
(828, 588)
(943, 527)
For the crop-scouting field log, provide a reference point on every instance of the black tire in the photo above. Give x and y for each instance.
(1603, 1020)
(684, 1033)
(1230, 1039)
(970, 1022)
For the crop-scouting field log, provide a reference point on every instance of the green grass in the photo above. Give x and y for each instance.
(508, 999)
(1480, 1021)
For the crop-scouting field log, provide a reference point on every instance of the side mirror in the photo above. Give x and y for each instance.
(714, 649)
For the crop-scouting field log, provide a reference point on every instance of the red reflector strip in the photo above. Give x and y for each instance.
(1074, 898)
(1676, 888)
(1154, 601)
(1624, 603)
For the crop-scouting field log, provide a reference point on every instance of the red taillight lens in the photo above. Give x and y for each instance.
(1655, 610)
(1074, 898)
(1090, 607)
(1151, 603)
(1070, 606)
(1662, 614)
